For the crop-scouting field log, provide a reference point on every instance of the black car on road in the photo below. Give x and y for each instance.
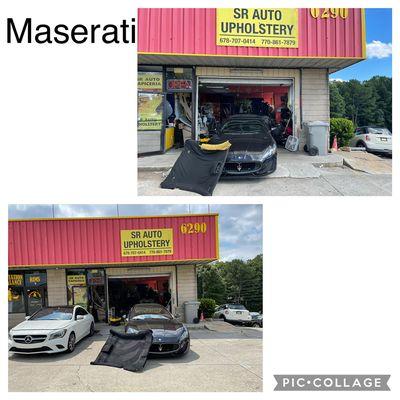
(253, 151)
(170, 337)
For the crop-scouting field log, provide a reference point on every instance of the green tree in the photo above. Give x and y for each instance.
(253, 290)
(235, 281)
(210, 283)
(337, 104)
(365, 103)
(382, 86)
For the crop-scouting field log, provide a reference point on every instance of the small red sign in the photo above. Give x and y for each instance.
(179, 84)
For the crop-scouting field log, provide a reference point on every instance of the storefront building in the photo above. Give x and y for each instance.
(107, 264)
(197, 64)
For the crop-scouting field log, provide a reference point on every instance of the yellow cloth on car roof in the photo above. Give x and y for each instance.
(219, 146)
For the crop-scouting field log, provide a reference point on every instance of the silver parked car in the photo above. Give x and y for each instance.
(374, 139)
(256, 319)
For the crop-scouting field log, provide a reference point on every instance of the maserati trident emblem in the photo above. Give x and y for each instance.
(28, 339)
(239, 167)
(160, 347)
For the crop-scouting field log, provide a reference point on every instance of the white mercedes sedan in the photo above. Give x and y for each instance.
(51, 330)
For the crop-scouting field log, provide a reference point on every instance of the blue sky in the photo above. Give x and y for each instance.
(240, 225)
(379, 40)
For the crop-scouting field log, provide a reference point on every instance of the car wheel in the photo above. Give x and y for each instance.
(71, 343)
(184, 350)
(361, 144)
(313, 151)
(305, 148)
(222, 317)
(256, 325)
(91, 332)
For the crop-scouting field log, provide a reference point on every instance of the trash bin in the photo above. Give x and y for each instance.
(191, 310)
(317, 138)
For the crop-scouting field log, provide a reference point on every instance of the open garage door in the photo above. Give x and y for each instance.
(124, 292)
(220, 98)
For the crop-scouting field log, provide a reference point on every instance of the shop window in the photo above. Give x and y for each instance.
(36, 291)
(97, 294)
(151, 104)
(27, 292)
(150, 111)
(16, 299)
(179, 79)
(77, 291)
(149, 81)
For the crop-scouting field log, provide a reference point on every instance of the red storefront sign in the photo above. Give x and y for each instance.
(94, 241)
(179, 85)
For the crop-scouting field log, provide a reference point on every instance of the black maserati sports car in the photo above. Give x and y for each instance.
(170, 337)
(253, 151)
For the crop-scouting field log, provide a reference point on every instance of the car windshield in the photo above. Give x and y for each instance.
(145, 311)
(53, 314)
(243, 128)
(149, 316)
(237, 307)
(379, 131)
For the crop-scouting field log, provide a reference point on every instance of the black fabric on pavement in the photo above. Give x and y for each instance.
(196, 170)
(125, 350)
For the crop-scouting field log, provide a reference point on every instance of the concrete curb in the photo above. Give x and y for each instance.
(154, 169)
(194, 327)
(327, 164)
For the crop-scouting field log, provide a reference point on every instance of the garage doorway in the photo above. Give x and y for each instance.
(124, 292)
(220, 98)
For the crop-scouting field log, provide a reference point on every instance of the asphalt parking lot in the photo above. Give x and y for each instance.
(217, 362)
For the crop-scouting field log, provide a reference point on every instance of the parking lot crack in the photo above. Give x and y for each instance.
(84, 384)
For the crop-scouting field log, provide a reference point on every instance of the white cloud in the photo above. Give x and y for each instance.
(337, 80)
(377, 49)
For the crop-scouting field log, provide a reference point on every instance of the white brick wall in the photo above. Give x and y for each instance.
(187, 283)
(187, 287)
(315, 97)
(56, 287)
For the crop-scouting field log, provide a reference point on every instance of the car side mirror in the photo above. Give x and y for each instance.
(177, 315)
(80, 317)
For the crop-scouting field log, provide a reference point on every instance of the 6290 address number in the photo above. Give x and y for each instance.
(189, 228)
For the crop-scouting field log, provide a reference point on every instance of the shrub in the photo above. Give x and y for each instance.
(343, 129)
(207, 306)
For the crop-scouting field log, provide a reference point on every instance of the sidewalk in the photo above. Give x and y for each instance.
(103, 329)
(290, 165)
(366, 162)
